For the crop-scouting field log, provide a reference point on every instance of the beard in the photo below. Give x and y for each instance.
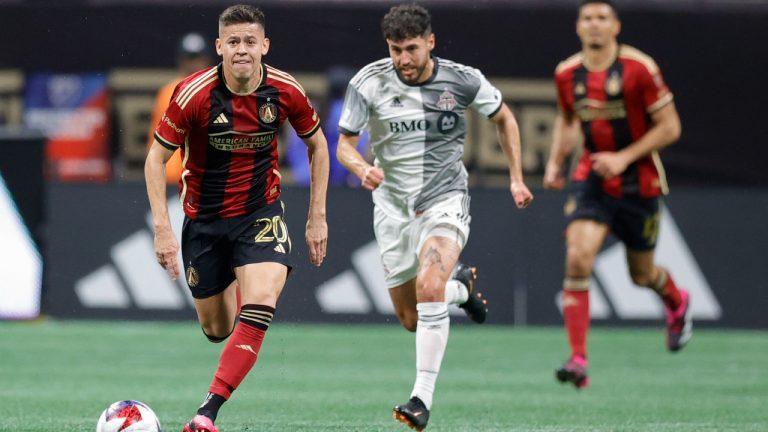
(417, 72)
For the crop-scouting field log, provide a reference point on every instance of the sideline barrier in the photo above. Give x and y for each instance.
(713, 241)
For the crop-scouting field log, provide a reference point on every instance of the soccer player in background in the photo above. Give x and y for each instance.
(192, 56)
(225, 119)
(614, 97)
(413, 106)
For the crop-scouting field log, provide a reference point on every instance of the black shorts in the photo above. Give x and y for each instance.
(212, 249)
(632, 218)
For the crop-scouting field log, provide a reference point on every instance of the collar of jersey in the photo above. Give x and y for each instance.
(262, 78)
(608, 64)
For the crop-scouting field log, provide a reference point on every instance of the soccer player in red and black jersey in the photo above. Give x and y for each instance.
(225, 119)
(614, 97)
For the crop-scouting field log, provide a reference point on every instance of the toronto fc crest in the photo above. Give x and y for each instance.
(268, 112)
(446, 102)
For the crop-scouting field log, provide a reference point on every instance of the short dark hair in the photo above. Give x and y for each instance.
(406, 21)
(242, 14)
(610, 4)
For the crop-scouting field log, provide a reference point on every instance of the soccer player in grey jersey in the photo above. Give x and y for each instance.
(413, 105)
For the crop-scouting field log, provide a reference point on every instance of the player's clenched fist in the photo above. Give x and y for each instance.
(521, 194)
(372, 177)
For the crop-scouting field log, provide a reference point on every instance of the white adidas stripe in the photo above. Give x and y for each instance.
(289, 82)
(194, 83)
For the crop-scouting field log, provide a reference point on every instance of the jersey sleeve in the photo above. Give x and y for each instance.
(173, 128)
(488, 99)
(354, 113)
(302, 114)
(563, 92)
(653, 89)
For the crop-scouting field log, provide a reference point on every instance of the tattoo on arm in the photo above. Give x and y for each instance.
(432, 257)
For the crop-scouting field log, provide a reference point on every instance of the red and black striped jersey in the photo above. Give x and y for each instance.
(228, 141)
(614, 106)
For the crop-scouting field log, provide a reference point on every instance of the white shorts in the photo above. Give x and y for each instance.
(400, 241)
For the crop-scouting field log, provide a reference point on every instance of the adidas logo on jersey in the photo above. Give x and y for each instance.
(279, 248)
(396, 103)
(221, 119)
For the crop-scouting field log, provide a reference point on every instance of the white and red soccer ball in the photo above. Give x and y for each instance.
(128, 416)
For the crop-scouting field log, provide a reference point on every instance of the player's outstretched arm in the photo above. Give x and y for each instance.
(508, 134)
(347, 154)
(316, 233)
(566, 134)
(665, 130)
(166, 245)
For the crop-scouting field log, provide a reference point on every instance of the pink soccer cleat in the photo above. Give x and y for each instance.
(200, 423)
(679, 323)
(574, 371)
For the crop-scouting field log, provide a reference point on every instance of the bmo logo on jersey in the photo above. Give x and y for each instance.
(445, 123)
(409, 126)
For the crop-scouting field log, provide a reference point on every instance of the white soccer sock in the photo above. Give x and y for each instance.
(455, 292)
(431, 339)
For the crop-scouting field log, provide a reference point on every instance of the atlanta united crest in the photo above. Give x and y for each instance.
(614, 84)
(268, 112)
(192, 277)
(446, 102)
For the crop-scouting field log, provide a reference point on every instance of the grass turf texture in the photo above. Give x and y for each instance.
(59, 376)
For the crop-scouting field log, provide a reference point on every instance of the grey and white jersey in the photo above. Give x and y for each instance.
(417, 132)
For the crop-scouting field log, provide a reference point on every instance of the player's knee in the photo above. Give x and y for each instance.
(430, 289)
(408, 319)
(216, 333)
(579, 261)
(642, 279)
(409, 325)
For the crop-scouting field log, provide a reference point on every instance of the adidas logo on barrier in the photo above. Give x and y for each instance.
(21, 266)
(611, 288)
(360, 289)
(135, 275)
(134, 278)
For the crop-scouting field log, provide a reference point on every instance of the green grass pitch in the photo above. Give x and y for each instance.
(59, 376)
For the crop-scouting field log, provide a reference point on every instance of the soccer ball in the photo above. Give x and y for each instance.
(128, 416)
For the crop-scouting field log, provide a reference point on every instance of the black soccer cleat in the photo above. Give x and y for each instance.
(413, 414)
(476, 307)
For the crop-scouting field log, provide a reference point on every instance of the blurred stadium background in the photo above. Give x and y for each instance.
(77, 85)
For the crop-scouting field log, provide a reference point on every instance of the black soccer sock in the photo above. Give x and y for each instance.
(211, 405)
